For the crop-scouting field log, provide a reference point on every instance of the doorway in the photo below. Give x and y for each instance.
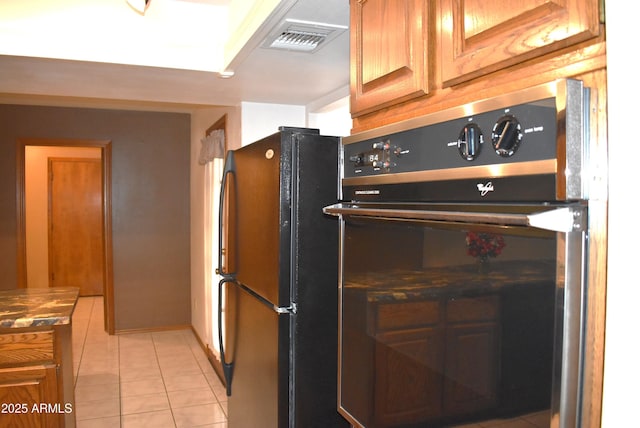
(27, 275)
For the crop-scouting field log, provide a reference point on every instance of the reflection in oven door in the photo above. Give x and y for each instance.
(436, 334)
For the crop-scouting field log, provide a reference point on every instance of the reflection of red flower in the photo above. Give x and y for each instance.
(484, 245)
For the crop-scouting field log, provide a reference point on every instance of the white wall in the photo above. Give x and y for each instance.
(330, 115)
(333, 119)
(260, 120)
(621, 369)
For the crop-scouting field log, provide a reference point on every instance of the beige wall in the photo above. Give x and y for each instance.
(150, 203)
(36, 206)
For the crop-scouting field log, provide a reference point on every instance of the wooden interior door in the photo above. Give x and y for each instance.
(76, 239)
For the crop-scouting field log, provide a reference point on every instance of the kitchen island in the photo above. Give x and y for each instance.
(36, 363)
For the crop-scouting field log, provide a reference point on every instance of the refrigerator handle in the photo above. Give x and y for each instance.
(229, 168)
(227, 368)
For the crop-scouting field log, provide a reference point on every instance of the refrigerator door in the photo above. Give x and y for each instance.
(261, 376)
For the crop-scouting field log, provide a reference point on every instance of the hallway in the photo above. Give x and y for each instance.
(159, 379)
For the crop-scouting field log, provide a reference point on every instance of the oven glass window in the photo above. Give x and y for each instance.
(446, 326)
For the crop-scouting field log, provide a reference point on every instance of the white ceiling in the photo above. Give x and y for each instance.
(260, 75)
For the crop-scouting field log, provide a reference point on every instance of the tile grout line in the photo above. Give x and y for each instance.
(121, 422)
(84, 343)
(88, 331)
(164, 384)
(191, 349)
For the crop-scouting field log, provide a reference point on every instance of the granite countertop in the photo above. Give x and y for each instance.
(33, 307)
(402, 285)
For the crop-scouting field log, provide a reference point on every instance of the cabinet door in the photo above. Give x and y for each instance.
(408, 378)
(30, 395)
(389, 51)
(481, 36)
(471, 373)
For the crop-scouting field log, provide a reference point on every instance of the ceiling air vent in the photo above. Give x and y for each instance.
(302, 36)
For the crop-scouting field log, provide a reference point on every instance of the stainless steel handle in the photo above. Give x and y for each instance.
(229, 168)
(564, 219)
(227, 367)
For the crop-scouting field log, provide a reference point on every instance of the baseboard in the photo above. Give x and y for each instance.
(213, 360)
(151, 329)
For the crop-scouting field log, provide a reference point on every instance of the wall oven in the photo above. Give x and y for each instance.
(462, 266)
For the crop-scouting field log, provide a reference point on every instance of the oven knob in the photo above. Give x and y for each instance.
(381, 164)
(358, 159)
(506, 135)
(470, 141)
(399, 151)
(381, 145)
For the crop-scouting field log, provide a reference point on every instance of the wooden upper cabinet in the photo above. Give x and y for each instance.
(481, 36)
(389, 52)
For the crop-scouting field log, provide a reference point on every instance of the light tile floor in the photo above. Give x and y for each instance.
(159, 379)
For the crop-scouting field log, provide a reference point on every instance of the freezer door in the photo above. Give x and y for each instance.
(261, 204)
(260, 388)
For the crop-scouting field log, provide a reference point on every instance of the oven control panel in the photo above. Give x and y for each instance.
(381, 156)
(519, 133)
(529, 145)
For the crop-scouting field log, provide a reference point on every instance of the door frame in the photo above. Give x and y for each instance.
(105, 146)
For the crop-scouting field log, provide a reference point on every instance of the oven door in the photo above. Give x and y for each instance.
(456, 314)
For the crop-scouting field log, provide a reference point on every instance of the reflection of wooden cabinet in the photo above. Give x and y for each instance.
(481, 36)
(472, 349)
(389, 52)
(409, 354)
(434, 359)
(471, 371)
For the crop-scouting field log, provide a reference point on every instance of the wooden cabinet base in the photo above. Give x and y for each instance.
(36, 377)
(29, 397)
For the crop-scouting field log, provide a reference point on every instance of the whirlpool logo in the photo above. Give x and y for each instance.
(485, 188)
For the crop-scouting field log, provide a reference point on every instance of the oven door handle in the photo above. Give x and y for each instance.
(563, 219)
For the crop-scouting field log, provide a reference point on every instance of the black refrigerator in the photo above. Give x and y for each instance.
(280, 281)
